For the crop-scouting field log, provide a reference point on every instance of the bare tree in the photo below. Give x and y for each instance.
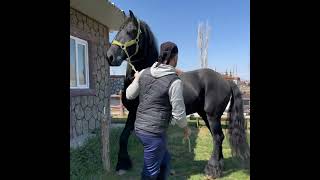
(203, 41)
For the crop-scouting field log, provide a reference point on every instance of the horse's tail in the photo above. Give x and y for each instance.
(237, 132)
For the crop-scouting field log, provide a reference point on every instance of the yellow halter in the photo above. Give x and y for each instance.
(124, 46)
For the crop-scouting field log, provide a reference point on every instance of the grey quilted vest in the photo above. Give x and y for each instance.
(154, 110)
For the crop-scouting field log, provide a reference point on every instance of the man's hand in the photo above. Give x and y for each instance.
(137, 75)
(178, 71)
(187, 132)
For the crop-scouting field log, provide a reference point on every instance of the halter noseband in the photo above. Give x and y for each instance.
(124, 46)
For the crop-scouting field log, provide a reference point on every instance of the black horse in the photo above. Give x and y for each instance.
(205, 92)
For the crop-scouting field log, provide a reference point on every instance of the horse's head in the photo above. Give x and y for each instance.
(127, 42)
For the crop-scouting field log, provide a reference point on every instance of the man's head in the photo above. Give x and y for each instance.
(168, 54)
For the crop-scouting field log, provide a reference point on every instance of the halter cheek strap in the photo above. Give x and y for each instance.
(127, 44)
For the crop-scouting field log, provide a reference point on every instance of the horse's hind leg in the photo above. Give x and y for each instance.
(204, 117)
(215, 164)
(124, 162)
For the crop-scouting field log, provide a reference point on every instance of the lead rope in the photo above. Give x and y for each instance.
(132, 66)
(183, 142)
(129, 57)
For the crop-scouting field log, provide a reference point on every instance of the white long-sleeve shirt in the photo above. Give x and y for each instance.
(175, 93)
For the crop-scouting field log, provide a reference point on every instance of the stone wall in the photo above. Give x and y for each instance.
(87, 106)
(116, 83)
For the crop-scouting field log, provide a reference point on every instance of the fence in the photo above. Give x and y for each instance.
(116, 106)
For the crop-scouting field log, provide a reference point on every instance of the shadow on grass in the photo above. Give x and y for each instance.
(231, 165)
(190, 165)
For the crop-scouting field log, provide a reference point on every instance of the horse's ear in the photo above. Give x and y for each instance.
(132, 15)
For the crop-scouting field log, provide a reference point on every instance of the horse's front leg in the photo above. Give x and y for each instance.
(124, 163)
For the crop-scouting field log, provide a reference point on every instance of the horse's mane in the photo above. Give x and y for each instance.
(152, 43)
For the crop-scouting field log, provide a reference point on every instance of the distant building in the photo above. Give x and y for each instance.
(244, 87)
(231, 77)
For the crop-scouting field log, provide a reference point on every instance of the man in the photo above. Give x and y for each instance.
(161, 101)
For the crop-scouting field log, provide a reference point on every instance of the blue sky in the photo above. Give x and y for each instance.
(177, 21)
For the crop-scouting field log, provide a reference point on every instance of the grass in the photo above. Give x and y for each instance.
(86, 161)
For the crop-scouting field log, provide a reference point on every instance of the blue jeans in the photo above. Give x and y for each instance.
(156, 164)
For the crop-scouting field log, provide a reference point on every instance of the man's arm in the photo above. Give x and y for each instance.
(177, 103)
(133, 89)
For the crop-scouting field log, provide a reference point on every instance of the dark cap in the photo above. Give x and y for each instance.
(167, 51)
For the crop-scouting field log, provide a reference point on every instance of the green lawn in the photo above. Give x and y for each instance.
(86, 161)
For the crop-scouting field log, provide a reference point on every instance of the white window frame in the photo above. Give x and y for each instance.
(85, 43)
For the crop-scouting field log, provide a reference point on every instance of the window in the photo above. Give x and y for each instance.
(79, 65)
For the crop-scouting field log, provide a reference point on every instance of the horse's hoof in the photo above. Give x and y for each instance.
(214, 169)
(124, 164)
(121, 172)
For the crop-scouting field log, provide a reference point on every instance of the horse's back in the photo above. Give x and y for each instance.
(203, 87)
(204, 78)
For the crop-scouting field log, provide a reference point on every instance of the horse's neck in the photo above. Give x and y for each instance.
(138, 67)
(147, 61)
